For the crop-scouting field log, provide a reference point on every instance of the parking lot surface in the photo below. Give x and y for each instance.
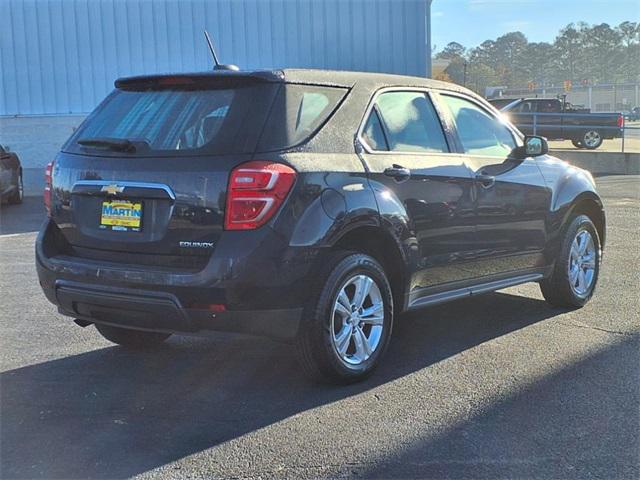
(500, 385)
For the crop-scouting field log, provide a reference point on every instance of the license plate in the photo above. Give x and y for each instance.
(121, 215)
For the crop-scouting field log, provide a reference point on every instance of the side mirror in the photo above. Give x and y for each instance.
(534, 146)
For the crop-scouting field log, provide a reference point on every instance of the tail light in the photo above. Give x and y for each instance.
(620, 121)
(256, 192)
(48, 173)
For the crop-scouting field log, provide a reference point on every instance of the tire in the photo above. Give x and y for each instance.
(326, 327)
(133, 339)
(17, 196)
(591, 139)
(577, 143)
(565, 288)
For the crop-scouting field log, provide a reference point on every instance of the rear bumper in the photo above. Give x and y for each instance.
(262, 295)
(163, 312)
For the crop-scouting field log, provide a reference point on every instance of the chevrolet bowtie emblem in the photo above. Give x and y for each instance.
(112, 189)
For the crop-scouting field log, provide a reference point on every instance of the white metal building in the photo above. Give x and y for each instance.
(59, 58)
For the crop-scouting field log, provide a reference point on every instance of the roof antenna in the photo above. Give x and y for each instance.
(216, 64)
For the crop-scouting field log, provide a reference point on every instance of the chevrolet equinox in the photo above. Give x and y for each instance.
(306, 205)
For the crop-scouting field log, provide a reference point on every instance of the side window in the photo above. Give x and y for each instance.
(525, 107)
(410, 122)
(480, 132)
(548, 106)
(311, 107)
(373, 133)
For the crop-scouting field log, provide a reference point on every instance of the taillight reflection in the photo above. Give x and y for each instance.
(48, 180)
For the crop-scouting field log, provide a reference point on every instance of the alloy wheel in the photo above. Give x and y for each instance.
(357, 320)
(592, 138)
(582, 263)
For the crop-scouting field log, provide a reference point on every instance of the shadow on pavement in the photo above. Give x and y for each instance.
(23, 218)
(581, 422)
(110, 413)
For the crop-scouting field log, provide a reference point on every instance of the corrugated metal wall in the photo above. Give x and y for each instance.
(62, 56)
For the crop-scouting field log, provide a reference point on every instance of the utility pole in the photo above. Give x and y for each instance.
(464, 81)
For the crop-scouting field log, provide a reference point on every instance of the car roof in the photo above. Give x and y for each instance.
(337, 78)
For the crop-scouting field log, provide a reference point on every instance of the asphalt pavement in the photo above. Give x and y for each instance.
(497, 386)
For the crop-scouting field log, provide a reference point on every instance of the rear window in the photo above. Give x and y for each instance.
(206, 121)
(221, 120)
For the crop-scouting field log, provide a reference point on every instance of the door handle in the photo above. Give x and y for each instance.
(487, 181)
(398, 172)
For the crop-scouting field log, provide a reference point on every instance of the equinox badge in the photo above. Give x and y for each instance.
(184, 244)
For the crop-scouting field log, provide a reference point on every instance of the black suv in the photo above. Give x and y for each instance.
(311, 206)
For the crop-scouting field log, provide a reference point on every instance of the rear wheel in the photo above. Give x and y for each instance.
(577, 267)
(18, 195)
(577, 143)
(591, 139)
(134, 339)
(348, 325)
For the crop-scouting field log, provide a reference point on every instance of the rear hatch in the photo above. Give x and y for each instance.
(144, 179)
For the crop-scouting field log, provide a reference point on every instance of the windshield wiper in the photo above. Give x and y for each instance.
(118, 144)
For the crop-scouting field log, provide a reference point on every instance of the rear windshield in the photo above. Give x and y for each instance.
(205, 121)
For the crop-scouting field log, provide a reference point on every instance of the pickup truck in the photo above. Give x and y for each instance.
(557, 119)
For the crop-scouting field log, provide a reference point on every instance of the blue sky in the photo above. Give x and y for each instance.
(470, 22)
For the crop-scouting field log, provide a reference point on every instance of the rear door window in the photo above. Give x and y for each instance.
(525, 107)
(548, 106)
(410, 124)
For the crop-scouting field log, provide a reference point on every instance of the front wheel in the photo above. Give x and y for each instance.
(348, 325)
(133, 339)
(576, 270)
(591, 139)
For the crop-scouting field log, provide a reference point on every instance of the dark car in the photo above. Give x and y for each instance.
(556, 119)
(634, 114)
(11, 186)
(310, 206)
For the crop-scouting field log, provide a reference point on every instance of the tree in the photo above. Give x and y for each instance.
(453, 50)
(455, 53)
(630, 37)
(568, 49)
(595, 53)
(539, 63)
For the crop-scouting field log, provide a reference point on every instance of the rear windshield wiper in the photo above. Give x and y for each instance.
(118, 144)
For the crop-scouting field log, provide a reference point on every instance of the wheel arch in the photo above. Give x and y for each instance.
(589, 204)
(386, 249)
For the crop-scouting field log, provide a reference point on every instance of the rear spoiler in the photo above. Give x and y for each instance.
(200, 79)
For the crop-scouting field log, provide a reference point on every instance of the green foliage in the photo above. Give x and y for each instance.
(582, 53)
